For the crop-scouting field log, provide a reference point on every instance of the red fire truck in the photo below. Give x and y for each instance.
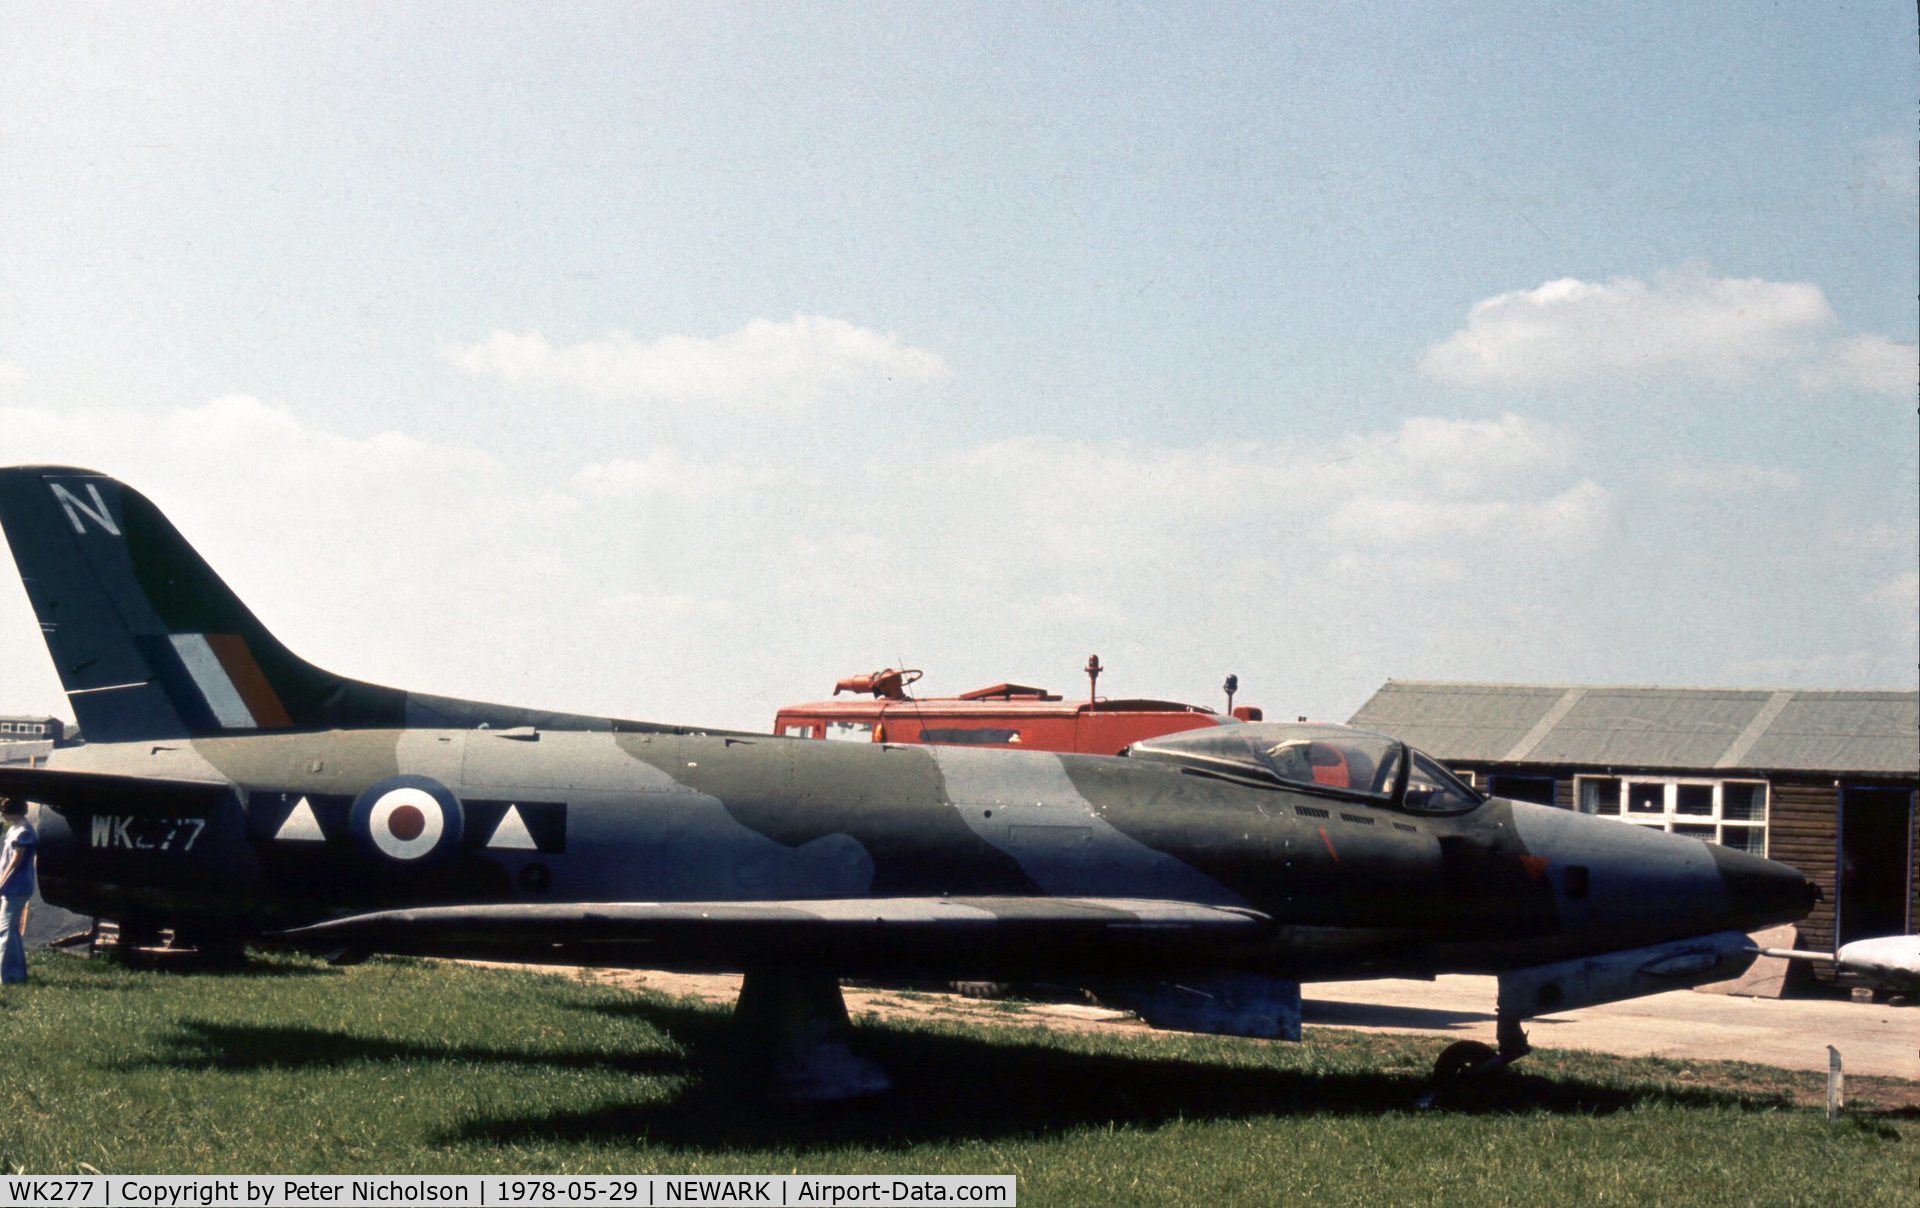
(1013, 716)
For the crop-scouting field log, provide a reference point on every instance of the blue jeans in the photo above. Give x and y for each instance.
(13, 940)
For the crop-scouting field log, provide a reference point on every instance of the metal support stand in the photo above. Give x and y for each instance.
(1836, 1085)
(795, 1025)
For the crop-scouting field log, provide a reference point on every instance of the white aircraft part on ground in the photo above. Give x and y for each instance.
(1893, 960)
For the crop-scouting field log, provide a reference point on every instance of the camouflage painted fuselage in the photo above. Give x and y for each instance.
(608, 816)
(231, 789)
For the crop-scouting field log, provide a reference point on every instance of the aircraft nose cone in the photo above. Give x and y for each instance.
(1764, 893)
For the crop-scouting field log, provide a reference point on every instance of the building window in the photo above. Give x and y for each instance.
(1732, 813)
(1540, 790)
(1598, 795)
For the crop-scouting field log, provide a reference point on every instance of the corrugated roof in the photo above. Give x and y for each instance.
(1758, 729)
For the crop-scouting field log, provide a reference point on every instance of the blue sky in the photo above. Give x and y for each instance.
(675, 360)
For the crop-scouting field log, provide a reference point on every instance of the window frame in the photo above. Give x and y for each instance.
(1669, 818)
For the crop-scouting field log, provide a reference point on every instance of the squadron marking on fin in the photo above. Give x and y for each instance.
(76, 507)
(223, 699)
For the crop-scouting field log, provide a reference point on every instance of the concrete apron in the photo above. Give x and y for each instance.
(1873, 1039)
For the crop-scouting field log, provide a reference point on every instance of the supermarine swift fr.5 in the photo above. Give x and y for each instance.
(234, 792)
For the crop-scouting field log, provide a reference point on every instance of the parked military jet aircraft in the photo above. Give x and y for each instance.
(230, 789)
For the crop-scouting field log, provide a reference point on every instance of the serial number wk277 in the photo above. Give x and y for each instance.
(145, 834)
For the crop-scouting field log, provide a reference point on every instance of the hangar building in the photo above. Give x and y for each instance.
(1824, 781)
(30, 737)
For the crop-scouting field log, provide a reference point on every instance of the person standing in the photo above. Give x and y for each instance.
(16, 889)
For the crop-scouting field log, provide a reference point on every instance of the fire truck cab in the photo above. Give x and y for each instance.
(1013, 716)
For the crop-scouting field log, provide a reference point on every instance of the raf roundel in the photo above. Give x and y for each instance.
(408, 819)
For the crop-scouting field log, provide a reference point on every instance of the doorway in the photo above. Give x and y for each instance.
(1876, 856)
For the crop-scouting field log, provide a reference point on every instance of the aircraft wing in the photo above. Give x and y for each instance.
(63, 790)
(863, 931)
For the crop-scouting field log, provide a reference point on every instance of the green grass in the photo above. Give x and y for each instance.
(413, 1067)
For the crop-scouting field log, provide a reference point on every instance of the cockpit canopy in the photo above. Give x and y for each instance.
(1335, 761)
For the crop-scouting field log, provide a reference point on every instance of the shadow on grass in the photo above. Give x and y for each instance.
(111, 975)
(952, 1088)
(1365, 1014)
(194, 964)
(204, 1045)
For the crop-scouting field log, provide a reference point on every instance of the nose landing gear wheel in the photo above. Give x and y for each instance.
(1461, 1066)
(1460, 1061)
(1466, 1064)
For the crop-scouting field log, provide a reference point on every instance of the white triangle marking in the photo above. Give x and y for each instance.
(301, 825)
(513, 833)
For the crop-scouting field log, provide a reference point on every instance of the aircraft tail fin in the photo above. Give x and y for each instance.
(147, 640)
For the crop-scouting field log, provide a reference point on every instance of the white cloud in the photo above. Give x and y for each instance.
(659, 607)
(1727, 478)
(1886, 165)
(235, 427)
(1456, 456)
(664, 472)
(1874, 538)
(1685, 324)
(1078, 609)
(1430, 478)
(1574, 517)
(1855, 668)
(1869, 364)
(662, 584)
(1899, 596)
(12, 374)
(361, 552)
(1876, 644)
(246, 438)
(762, 365)
(1371, 575)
